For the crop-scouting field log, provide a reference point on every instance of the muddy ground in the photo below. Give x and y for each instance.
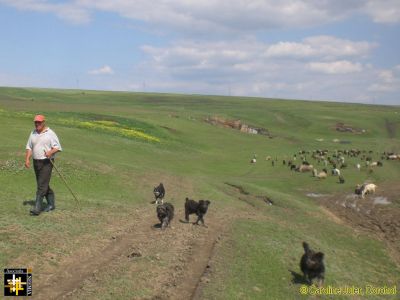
(377, 214)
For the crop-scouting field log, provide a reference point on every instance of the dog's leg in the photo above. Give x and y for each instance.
(164, 223)
(186, 216)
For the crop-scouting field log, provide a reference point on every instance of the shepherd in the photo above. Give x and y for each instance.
(42, 146)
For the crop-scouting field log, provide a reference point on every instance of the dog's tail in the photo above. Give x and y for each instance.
(306, 247)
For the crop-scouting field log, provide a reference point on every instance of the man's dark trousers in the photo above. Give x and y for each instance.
(43, 169)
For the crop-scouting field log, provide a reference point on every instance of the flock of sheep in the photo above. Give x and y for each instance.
(336, 161)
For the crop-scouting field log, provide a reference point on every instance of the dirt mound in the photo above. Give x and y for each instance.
(238, 125)
(341, 127)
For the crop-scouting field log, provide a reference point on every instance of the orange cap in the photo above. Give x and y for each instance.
(39, 118)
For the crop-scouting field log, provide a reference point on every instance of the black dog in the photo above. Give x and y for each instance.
(165, 213)
(159, 193)
(199, 208)
(312, 265)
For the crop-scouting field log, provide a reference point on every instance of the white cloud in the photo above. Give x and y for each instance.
(387, 80)
(383, 11)
(240, 67)
(211, 16)
(105, 70)
(70, 12)
(324, 46)
(335, 67)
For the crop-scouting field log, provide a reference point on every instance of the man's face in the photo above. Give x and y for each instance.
(39, 126)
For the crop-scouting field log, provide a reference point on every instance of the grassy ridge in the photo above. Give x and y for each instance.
(113, 174)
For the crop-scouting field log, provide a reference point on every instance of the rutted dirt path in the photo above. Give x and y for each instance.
(163, 264)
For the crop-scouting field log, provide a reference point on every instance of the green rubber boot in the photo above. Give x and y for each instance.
(38, 206)
(51, 205)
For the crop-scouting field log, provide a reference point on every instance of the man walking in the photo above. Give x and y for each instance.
(42, 145)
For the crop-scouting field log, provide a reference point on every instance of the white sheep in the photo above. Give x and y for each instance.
(336, 172)
(368, 188)
(358, 166)
(253, 161)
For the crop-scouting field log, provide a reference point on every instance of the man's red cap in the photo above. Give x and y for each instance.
(39, 118)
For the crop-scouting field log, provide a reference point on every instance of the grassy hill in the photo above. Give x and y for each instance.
(118, 146)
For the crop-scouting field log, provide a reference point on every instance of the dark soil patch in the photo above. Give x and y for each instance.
(378, 214)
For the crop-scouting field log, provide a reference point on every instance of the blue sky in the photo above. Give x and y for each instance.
(328, 50)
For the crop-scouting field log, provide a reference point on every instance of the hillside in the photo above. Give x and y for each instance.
(119, 145)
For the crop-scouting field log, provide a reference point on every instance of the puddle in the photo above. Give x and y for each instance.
(381, 200)
(315, 195)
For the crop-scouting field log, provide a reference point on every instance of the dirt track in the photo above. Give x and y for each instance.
(168, 263)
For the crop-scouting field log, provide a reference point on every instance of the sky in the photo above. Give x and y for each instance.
(343, 50)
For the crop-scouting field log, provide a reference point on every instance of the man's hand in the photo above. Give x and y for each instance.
(48, 154)
(51, 152)
(27, 164)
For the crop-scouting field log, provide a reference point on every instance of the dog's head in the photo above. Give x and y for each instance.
(203, 205)
(162, 210)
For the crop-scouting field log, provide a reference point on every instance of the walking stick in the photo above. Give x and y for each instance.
(65, 182)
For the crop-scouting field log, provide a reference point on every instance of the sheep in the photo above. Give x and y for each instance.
(322, 175)
(373, 164)
(253, 161)
(358, 166)
(366, 188)
(306, 168)
(335, 172)
(268, 158)
(341, 179)
(393, 157)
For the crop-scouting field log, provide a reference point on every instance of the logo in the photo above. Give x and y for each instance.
(17, 282)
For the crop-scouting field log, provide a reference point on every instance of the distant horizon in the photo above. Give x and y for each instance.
(200, 95)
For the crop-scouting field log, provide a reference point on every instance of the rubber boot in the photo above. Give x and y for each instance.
(51, 205)
(38, 206)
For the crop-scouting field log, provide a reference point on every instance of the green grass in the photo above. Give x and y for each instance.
(113, 174)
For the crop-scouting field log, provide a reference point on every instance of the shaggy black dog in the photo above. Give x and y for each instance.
(312, 265)
(165, 213)
(199, 208)
(159, 193)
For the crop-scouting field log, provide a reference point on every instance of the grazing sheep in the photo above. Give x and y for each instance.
(335, 172)
(358, 166)
(253, 161)
(322, 175)
(373, 164)
(393, 157)
(306, 168)
(380, 164)
(366, 188)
